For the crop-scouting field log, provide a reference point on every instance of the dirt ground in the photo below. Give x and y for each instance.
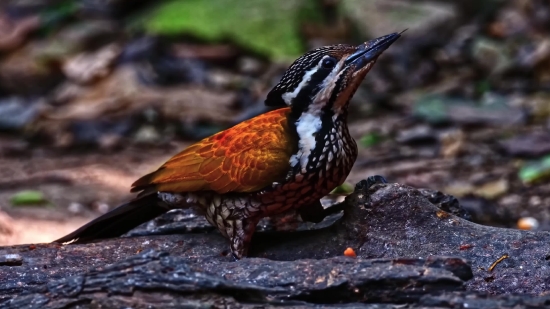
(78, 186)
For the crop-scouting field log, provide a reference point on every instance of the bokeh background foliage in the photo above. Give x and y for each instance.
(93, 94)
(269, 27)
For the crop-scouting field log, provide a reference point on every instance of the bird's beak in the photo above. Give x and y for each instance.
(370, 50)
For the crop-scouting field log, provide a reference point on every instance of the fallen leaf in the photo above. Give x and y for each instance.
(28, 197)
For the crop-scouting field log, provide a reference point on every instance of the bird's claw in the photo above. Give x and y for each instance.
(372, 180)
(235, 257)
(369, 182)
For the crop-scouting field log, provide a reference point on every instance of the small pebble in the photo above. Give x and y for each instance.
(528, 223)
(11, 260)
(100, 207)
(249, 65)
(535, 200)
(75, 208)
(89, 67)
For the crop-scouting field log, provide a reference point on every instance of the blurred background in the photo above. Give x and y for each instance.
(95, 93)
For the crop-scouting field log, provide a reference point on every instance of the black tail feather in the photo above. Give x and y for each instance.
(119, 220)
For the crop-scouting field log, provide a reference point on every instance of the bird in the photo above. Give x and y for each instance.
(284, 160)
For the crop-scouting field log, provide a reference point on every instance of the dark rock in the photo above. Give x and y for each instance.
(445, 202)
(256, 280)
(158, 63)
(531, 145)
(86, 68)
(93, 133)
(389, 226)
(73, 118)
(21, 73)
(11, 260)
(13, 33)
(140, 49)
(374, 17)
(491, 56)
(456, 50)
(88, 35)
(177, 221)
(421, 134)
(109, 8)
(484, 211)
(16, 113)
(491, 110)
(482, 301)
(399, 228)
(171, 71)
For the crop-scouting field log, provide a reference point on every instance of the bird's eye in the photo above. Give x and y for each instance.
(328, 63)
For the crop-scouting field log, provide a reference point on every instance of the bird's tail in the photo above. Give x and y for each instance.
(119, 220)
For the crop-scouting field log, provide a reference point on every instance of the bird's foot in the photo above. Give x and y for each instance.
(240, 234)
(372, 180)
(235, 256)
(366, 184)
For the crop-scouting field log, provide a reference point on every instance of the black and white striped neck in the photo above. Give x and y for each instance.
(321, 135)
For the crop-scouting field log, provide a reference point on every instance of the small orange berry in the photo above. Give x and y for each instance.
(528, 223)
(350, 253)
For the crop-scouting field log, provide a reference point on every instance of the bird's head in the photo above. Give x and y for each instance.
(324, 79)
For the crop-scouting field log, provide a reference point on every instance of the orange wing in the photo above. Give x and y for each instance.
(245, 158)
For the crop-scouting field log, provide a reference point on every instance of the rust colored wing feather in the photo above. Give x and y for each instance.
(245, 158)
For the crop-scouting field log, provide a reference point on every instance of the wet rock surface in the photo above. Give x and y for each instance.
(409, 251)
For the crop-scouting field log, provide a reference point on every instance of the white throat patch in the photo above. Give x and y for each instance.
(307, 127)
